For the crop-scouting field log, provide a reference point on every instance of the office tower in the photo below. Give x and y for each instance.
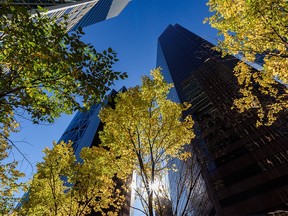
(83, 132)
(80, 13)
(84, 127)
(103, 10)
(244, 168)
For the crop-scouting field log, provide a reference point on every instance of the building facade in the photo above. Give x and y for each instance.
(244, 169)
(80, 13)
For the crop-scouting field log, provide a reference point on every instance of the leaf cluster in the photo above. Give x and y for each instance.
(44, 71)
(64, 186)
(257, 31)
(146, 130)
(9, 177)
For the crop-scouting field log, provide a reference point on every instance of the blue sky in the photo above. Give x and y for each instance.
(133, 35)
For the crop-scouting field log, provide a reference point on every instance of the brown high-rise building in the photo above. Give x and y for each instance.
(244, 168)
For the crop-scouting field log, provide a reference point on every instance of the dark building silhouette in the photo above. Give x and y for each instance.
(165, 207)
(244, 168)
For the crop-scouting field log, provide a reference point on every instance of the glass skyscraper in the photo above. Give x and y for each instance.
(244, 169)
(84, 127)
(80, 13)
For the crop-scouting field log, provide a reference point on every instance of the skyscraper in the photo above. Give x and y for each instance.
(245, 168)
(80, 13)
(84, 127)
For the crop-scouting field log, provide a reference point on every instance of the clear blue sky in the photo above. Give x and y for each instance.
(133, 35)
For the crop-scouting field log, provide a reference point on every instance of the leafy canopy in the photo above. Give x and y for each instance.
(146, 130)
(44, 71)
(256, 29)
(9, 176)
(64, 186)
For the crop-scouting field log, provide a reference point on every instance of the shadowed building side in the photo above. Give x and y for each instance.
(245, 168)
(104, 10)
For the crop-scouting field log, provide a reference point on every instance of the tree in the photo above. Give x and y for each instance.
(65, 186)
(256, 29)
(146, 131)
(44, 72)
(9, 176)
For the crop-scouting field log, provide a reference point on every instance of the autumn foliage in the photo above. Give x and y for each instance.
(44, 71)
(146, 130)
(65, 186)
(256, 30)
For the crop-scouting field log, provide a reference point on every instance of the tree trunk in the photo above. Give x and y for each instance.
(150, 203)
